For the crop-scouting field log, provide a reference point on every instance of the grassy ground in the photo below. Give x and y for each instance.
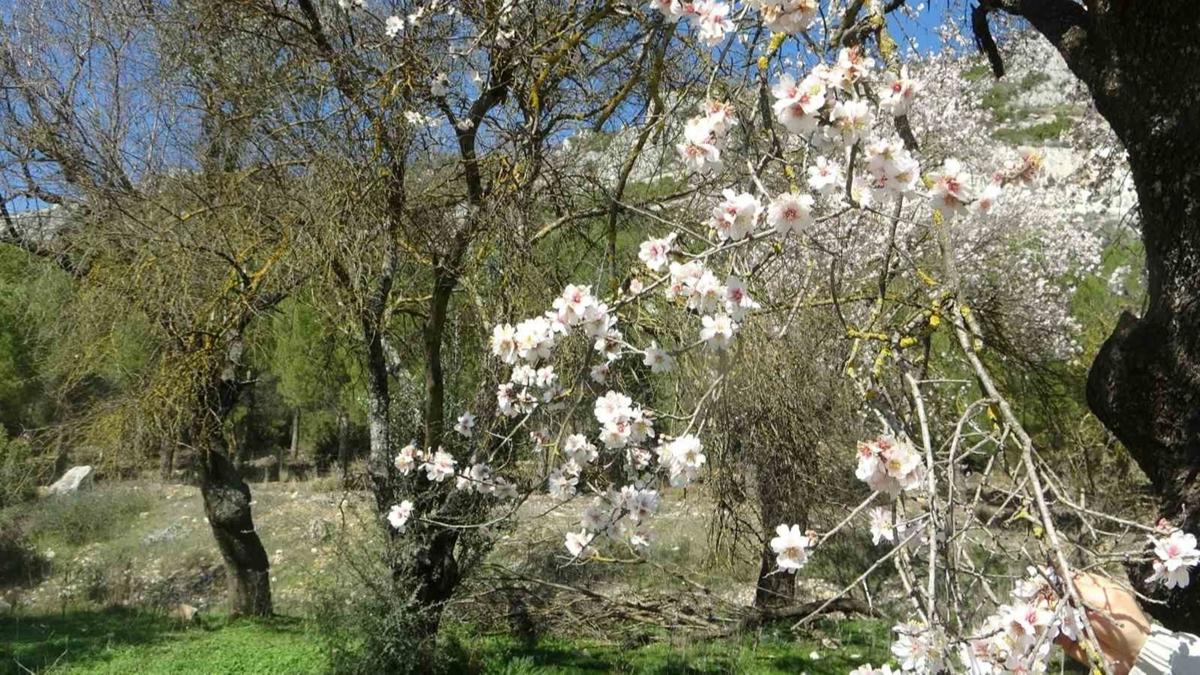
(125, 641)
(147, 545)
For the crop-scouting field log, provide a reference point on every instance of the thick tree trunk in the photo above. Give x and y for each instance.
(227, 505)
(1137, 59)
(779, 504)
(226, 495)
(1145, 382)
(434, 571)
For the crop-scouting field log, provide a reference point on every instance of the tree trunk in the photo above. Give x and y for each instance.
(227, 505)
(778, 505)
(295, 449)
(434, 571)
(343, 444)
(1145, 382)
(226, 495)
(167, 461)
(1144, 385)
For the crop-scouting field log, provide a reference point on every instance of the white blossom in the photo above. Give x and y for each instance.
(393, 26)
(718, 330)
(791, 548)
(407, 459)
(440, 466)
(466, 425)
(1175, 555)
(399, 514)
(790, 212)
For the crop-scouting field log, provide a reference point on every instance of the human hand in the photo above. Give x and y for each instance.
(1117, 620)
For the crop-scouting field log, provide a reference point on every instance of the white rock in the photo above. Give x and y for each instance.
(75, 479)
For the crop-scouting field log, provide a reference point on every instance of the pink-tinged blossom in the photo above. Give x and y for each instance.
(1175, 555)
(786, 16)
(849, 121)
(670, 9)
(853, 66)
(891, 169)
(399, 514)
(700, 151)
(638, 458)
(654, 253)
(504, 343)
(574, 305)
(881, 526)
(890, 465)
(919, 648)
(577, 543)
(988, 198)
(681, 277)
(683, 458)
(825, 176)
(657, 360)
(578, 449)
(736, 215)
(791, 548)
(713, 21)
(599, 373)
(720, 115)
(440, 466)
(790, 212)
(465, 425)
(613, 406)
(949, 195)
(407, 459)
(561, 484)
(798, 105)
(899, 92)
(640, 503)
(737, 298)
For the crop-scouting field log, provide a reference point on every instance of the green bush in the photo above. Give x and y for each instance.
(20, 470)
(360, 614)
(20, 563)
(88, 516)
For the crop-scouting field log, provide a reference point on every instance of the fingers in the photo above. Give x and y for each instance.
(1118, 622)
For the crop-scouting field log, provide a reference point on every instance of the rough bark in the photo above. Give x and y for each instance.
(226, 495)
(1138, 59)
(167, 461)
(227, 505)
(779, 505)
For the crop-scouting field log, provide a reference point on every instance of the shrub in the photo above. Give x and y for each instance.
(20, 470)
(87, 517)
(20, 563)
(359, 614)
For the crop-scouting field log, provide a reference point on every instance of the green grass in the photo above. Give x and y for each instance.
(857, 642)
(125, 641)
(89, 516)
(1036, 133)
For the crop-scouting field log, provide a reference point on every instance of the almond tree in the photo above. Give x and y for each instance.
(1145, 382)
(163, 217)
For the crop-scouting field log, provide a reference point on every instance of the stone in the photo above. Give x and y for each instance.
(75, 479)
(183, 612)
